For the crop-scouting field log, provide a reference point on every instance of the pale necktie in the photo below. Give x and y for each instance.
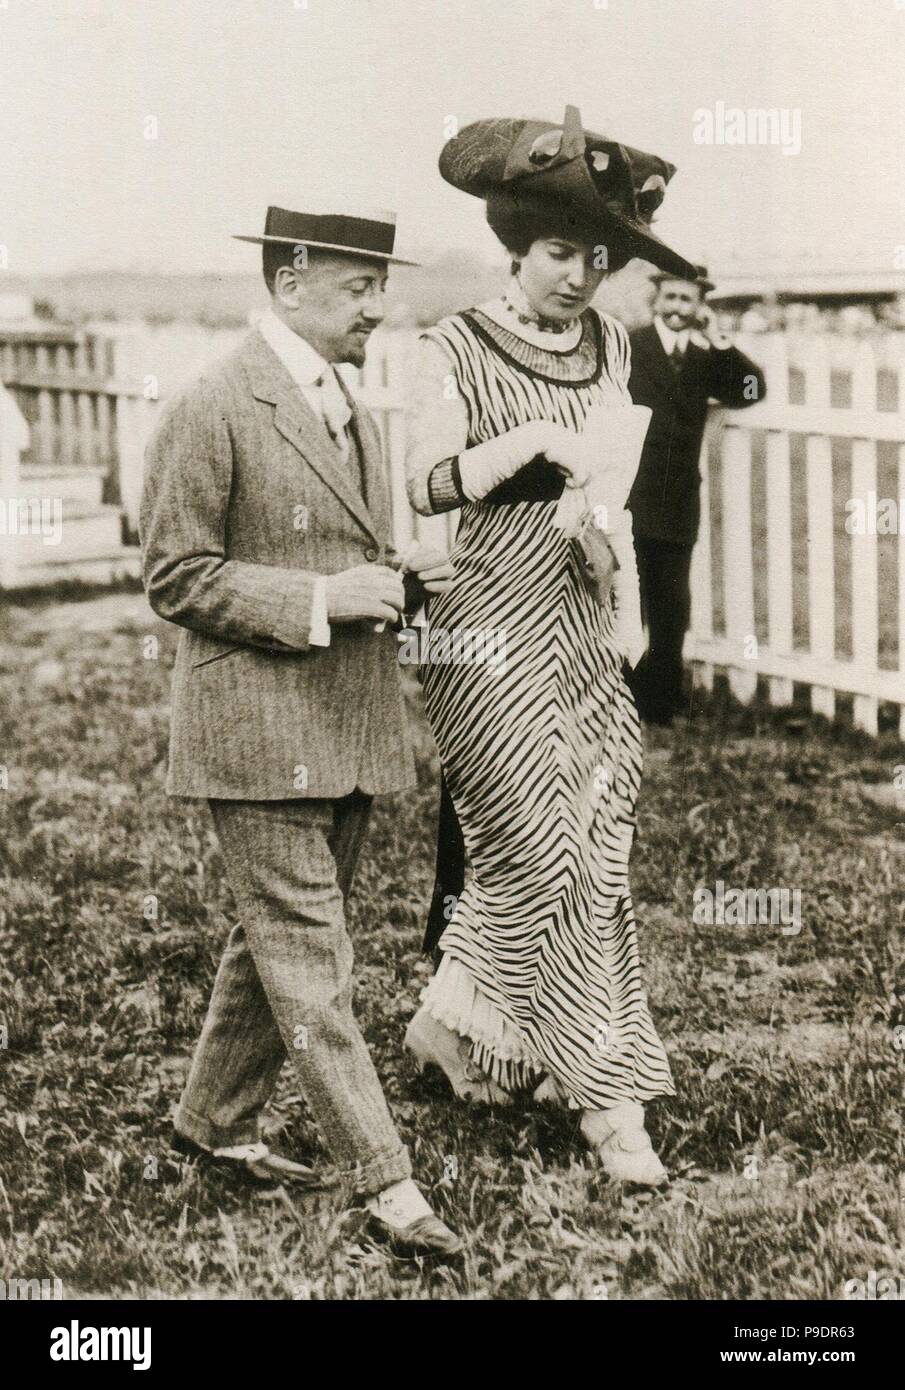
(337, 412)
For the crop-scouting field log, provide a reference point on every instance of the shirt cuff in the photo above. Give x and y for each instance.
(319, 629)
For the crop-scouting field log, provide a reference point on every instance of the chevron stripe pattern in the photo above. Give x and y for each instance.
(543, 753)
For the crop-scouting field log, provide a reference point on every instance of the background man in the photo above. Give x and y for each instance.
(679, 363)
(266, 535)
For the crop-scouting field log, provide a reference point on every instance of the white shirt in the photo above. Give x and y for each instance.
(303, 362)
(669, 338)
(717, 341)
(306, 366)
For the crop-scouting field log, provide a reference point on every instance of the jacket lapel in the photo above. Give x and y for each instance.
(298, 424)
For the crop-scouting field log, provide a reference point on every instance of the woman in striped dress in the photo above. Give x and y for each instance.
(539, 983)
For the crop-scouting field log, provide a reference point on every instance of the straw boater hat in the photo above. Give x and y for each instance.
(593, 180)
(358, 233)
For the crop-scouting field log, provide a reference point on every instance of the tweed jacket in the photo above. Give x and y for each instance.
(665, 497)
(246, 500)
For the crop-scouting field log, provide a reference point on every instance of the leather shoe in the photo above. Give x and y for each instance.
(427, 1237)
(258, 1164)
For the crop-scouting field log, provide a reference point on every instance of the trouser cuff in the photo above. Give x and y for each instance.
(209, 1135)
(367, 1179)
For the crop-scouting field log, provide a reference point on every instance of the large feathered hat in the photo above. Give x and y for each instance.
(602, 183)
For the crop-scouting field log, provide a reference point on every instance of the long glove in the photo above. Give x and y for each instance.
(484, 466)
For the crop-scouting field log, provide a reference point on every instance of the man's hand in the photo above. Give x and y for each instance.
(705, 334)
(431, 567)
(367, 591)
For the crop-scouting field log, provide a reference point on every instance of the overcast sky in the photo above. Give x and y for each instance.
(282, 101)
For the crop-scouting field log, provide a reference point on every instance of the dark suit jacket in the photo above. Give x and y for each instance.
(257, 713)
(665, 497)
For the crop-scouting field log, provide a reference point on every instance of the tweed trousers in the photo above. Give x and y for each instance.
(284, 987)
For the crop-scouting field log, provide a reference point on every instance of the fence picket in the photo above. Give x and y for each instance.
(738, 571)
(702, 577)
(774, 360)
(821, 579)
(865, 595)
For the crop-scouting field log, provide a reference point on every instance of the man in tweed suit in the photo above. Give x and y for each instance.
(265, 530)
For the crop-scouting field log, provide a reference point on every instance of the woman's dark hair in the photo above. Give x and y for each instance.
(519, 219)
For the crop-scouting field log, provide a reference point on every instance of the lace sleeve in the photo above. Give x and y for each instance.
(436, 432)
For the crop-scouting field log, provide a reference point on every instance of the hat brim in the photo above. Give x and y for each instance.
(704, 285)
(640, 240)
(328, 246)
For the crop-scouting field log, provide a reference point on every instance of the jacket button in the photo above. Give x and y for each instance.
(371, 553)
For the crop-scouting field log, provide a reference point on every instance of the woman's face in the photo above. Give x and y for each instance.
(559, 277)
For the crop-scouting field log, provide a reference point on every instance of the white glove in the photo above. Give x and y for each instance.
(484, 466)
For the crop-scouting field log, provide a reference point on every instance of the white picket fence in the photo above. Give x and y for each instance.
(860, 426)
(766, 573)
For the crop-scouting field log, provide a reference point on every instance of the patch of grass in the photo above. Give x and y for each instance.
(785, 1137)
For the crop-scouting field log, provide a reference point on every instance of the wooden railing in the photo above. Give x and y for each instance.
(63, 381)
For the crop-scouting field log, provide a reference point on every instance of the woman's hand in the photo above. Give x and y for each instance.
(566, 449)
(431, 567)
(485, 466)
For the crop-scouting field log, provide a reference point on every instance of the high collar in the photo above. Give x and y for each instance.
(512, 309)
(303, 362)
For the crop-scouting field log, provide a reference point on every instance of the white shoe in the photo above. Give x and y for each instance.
(433, 1044)
(622, 1144)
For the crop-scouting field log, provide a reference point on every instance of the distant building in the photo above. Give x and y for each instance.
(828, 289)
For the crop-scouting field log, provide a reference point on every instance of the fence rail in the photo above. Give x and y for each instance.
(782, 592)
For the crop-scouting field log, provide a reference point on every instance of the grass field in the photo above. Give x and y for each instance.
(785, 1139)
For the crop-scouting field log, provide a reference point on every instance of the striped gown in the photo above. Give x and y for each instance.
(542, 756)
